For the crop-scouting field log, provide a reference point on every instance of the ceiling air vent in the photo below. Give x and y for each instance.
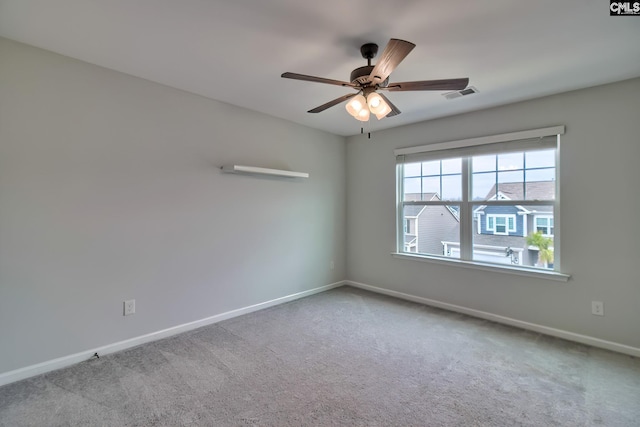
(458, 93)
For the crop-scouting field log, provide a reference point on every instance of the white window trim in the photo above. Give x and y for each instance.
(467, 225)
(500, 268)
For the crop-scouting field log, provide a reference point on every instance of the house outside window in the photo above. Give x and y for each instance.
(483, 202)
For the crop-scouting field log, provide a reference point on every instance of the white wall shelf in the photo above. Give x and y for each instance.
(263, 171)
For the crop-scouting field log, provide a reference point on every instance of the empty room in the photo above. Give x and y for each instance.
(365, 213)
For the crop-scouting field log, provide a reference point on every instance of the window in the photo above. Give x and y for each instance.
(501, 224)
(544, 224)
(486, 200)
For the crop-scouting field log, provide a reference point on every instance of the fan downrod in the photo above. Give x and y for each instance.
(360, 75)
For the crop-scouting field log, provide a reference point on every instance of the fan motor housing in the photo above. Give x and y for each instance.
(360, 76)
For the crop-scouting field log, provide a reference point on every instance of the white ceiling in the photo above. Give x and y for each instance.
(235, 50)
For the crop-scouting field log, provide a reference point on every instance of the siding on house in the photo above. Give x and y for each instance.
(443, 222)
(435, 224)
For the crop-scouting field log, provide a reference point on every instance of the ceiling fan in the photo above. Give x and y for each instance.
(369, 79)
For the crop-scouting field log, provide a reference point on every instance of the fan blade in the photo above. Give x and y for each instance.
(394, 110)
(304, 77)
(448, 84)
(395, 51)
(332, 103)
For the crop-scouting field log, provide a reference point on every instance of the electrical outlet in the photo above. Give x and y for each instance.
(129, 307)
(332, 265)
(597, 308)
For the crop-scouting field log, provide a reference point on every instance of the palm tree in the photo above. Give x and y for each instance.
(545, 253)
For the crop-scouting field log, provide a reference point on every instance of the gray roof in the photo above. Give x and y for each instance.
(498, 240)
(535, 190)
(412, 210)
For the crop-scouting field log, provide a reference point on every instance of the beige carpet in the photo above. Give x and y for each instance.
(343, 357)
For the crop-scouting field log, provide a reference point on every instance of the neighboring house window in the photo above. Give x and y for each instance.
(544, 224)
(501, 224)
(482, 202)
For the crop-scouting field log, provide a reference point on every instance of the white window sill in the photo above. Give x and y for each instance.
(541, 274)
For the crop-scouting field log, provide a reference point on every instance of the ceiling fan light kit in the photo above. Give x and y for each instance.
(359, 107)
(377, 105)
(356, 106)
(369, 79)
(363, 115)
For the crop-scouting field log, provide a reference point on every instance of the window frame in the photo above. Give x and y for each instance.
(467, 204)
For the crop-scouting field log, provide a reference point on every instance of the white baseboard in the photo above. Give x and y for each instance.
(559, 333)
(51, 365)
(61, 362)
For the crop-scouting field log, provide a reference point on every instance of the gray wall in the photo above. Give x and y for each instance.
(600, 206)
(110, 190)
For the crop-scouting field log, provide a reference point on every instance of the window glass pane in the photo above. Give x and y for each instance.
(431, 185)
(510, 185)
(451, 166)
(519, 247)
(541, 159)
(541, 175)
(513, 177)
(431, 168)
(432, 230)
(482, 185)
(452, 187)
(412, 189)
(510, 161)
(412, 169)
(483, 163)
